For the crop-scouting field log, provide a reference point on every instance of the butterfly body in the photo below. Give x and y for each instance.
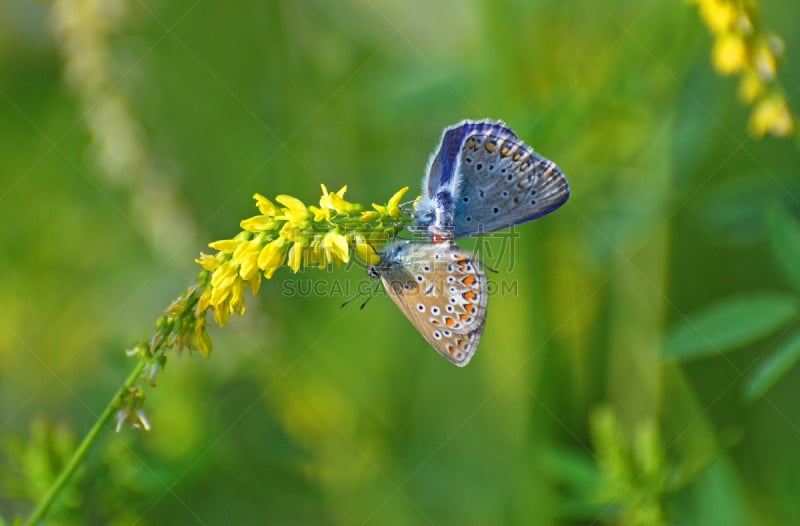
(483, 178)
(442, 290)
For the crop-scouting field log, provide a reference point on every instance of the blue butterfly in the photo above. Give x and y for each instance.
(483, 178)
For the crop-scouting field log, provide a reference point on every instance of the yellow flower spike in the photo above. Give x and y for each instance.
(771, 115)
(364, 251)
(290, 234)
(257, 224)
(295, 209)
(729, 54)
(295, 256)
(224, 245)
(336, 247)
(272, 256)
(265, 206)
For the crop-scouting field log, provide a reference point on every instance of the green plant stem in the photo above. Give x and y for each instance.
(77, 457)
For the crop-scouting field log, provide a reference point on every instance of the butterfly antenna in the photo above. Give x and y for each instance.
(371, 295)
(348, 300)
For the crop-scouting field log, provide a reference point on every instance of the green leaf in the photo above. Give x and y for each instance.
(771, 370)
(785, 239)
(573, 468)
(729, 324)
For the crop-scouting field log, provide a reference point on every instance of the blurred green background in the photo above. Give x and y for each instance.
(620, 382)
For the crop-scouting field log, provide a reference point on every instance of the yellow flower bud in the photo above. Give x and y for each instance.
(729, 53)
(295, 210)
(295, 256)
(364, 251)
(750, 86)
(771, 115)
(336, 247)
(272, 256)
(258, 224)
(224, 245)
(265, 206)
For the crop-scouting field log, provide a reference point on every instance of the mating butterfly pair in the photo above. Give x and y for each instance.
(482, 178)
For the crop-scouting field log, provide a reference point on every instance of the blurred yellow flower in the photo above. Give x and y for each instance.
(729, 53)
(765, 62)
(719, 15)
(750, 86)
(771, 115)
(741, 45)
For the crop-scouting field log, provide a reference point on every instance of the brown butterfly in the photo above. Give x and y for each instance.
(442, 290)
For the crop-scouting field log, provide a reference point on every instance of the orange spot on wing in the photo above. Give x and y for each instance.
(469, 280)
(464, 317)
(449, 321)
(469, 295)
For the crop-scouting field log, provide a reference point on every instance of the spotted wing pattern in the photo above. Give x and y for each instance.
(443, 292)
(483, 178)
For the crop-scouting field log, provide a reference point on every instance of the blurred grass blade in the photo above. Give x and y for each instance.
(784, 232)
(729, 324)
(773, 368)
(574, 469)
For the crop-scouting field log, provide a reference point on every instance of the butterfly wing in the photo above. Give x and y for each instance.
(502, 182)
(483, 178)
(442, 166)
(443, 292)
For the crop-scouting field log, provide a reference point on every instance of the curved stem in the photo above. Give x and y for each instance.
(77, 457)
